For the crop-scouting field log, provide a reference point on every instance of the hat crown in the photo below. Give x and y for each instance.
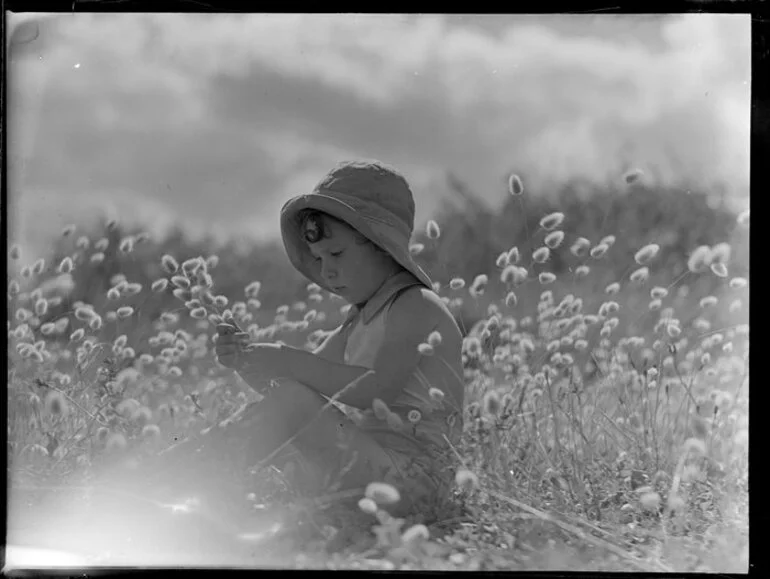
(372, 182)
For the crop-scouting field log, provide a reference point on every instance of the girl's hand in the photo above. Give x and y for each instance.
(265, 360)
(230, 346)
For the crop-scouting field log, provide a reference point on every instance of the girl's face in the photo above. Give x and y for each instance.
(352, 269)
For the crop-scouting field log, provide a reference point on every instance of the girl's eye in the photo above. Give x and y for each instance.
(337, 253)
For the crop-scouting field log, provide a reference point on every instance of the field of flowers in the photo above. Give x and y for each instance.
(606, 400)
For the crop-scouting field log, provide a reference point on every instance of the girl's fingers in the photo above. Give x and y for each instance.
(230, 320)
(228, 330)
(225, 329)
(231, 330)
(239, 337)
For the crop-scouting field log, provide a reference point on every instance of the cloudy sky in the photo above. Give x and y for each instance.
(216, 120)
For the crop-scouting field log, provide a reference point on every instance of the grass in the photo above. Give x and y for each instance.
(603, 430)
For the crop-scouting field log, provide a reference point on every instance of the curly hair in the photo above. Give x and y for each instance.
(313, 226)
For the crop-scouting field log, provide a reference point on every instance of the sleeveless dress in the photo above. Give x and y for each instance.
(421, 460)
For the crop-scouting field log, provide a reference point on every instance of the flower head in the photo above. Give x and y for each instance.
(650, 501)
(646, 253)
(142, 237)
(708, 301)
(515, 186)
(546, 277)
(466, 480)
(415, 534)
(608, 240)
(552, 220)
(700, 259)
(125, 312)
(479, 284)
(191, 266)
(435, 394)
(658, 293)
(541, 254)
(382, 493)
(720, 253)
(743, 218)
(367, 505)
(126, 245)
(719, 269)
(66, 265)
(554, 239)
(169, 264)
(640, 275)
(159, 285)
(582, 271)
(673, 330)
(580, 247)
(632, 176)
(61, 324)
(416, 248)
(41, 307)
(432, 229)
(381, 409)
(434, 338)
(180, 281)
(598, 251)
(457, 283)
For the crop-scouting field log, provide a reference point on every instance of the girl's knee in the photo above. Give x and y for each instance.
(294, 396)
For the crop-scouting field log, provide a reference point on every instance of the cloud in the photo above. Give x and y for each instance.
(221, 118)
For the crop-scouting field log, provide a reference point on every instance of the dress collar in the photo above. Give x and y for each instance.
(389, 288)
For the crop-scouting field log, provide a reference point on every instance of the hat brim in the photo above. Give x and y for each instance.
(380, 230)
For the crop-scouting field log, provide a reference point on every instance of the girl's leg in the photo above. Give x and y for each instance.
(290, 414)
(343, 453)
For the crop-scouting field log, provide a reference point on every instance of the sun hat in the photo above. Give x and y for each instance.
(368, 195)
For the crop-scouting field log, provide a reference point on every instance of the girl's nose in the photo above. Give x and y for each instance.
(328, 273)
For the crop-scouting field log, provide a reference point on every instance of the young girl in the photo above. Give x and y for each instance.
(380, 400)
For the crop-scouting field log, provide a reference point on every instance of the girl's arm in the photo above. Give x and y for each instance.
(411, 319)
(259, 375)
(333, 347)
